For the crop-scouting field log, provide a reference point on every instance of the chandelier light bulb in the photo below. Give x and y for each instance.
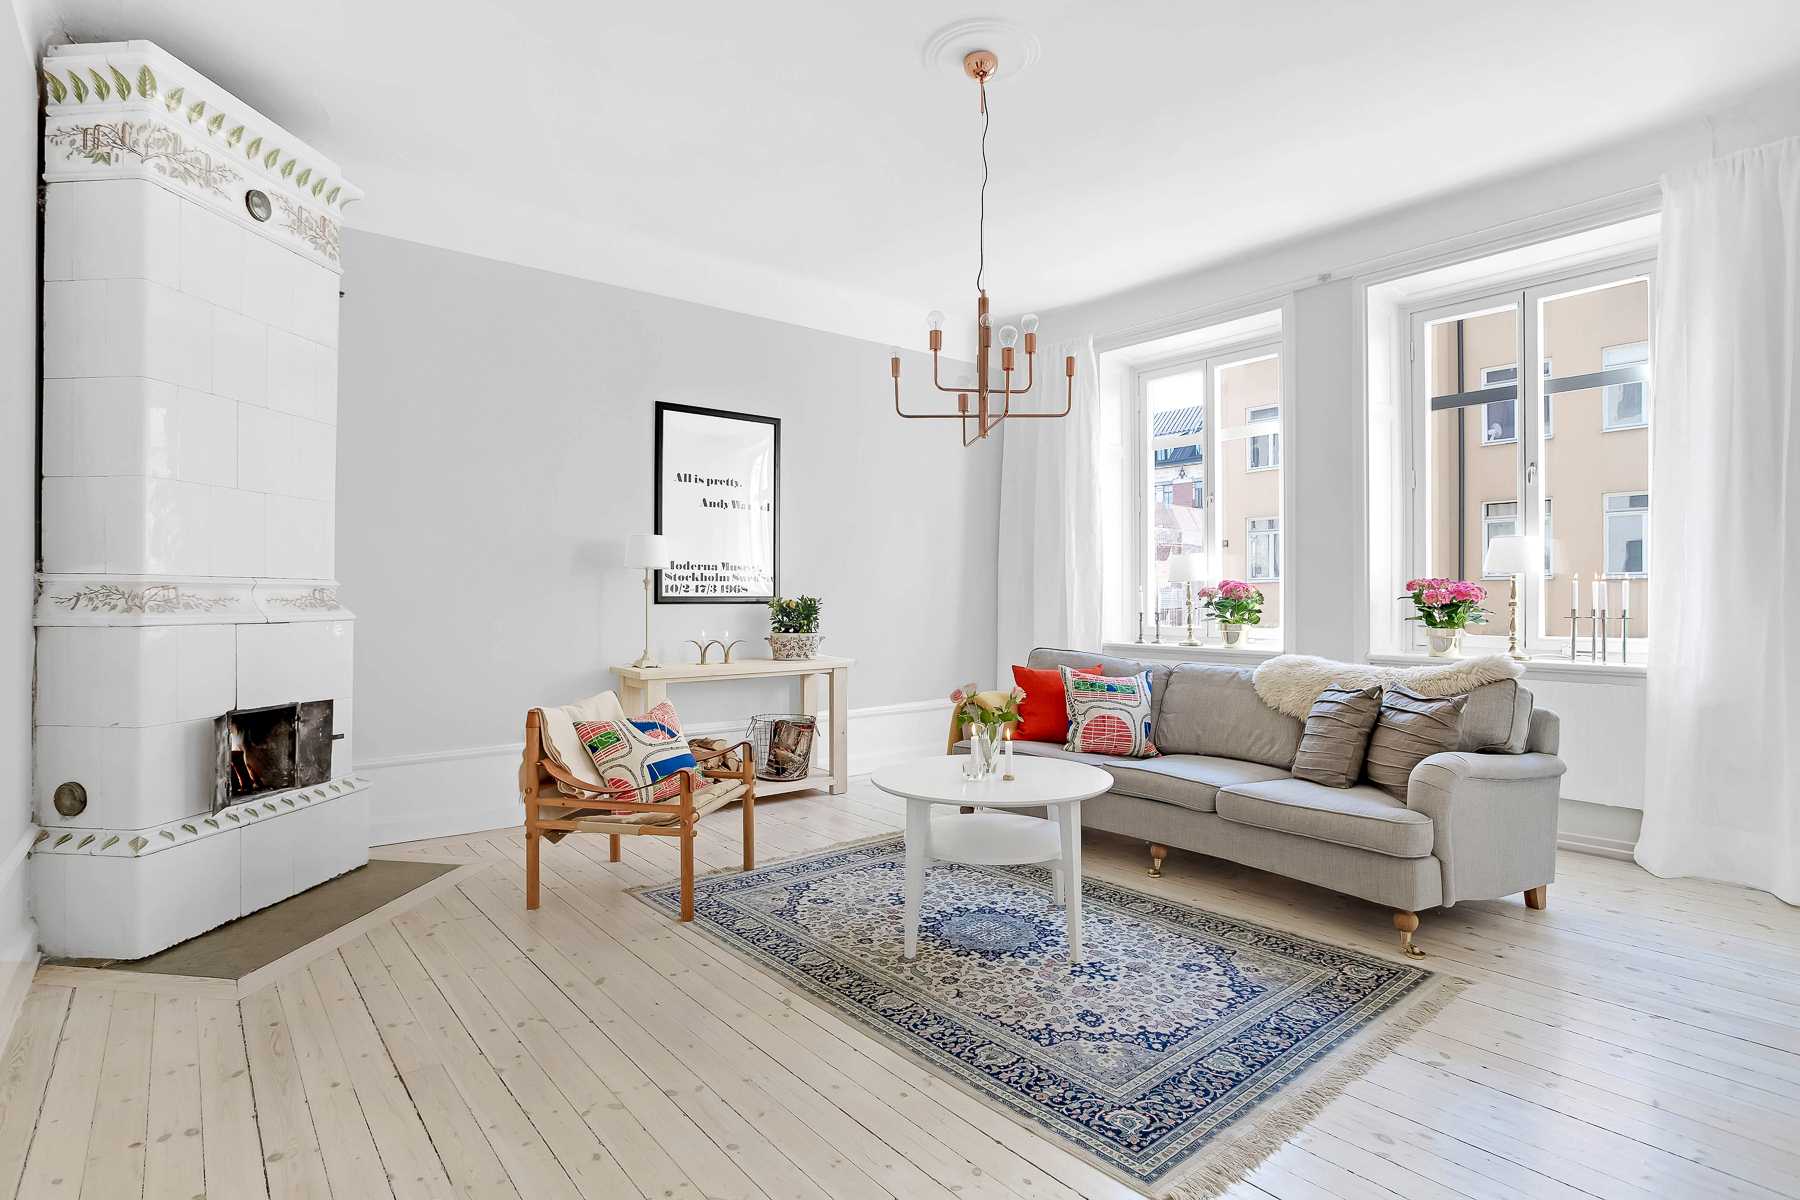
(934, 319)
(1008, 336)
(1028, 323)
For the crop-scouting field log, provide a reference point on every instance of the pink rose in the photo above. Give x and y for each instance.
(957, 696)
(1018, 695)
(1209, 592)
(1413, 585)
(1436, 597)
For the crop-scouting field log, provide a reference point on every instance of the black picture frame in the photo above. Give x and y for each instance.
(663, 408)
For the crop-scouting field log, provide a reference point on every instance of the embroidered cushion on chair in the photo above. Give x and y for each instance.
(638, 752)
(1108, 714)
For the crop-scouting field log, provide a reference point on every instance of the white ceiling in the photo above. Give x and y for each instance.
(797, 159)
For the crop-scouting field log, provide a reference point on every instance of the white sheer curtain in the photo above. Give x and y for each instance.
(1722, 796)
(1050, 577)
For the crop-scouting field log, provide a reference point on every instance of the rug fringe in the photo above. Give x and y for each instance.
(1221, 1167)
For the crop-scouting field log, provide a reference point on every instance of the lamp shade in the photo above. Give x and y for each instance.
(1187, 568)
(647, 550)
(1512, 554)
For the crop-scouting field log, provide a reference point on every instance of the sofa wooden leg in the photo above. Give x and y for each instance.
(1408, 923)
(1538, 897)
(1157, 854)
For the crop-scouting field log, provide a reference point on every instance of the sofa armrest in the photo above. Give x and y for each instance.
(1493, 820)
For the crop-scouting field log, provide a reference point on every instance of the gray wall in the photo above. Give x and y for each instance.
(495, 448)
(18, 488)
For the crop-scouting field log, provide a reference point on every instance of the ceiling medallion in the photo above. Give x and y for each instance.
(992, 399)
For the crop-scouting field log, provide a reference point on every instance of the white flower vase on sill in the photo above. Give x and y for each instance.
(1444, 643)
(1233, 633)
(795, 645)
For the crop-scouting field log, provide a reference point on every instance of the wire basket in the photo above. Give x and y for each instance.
(783, 745)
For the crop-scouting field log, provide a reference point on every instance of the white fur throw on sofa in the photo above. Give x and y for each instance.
(1290, 683)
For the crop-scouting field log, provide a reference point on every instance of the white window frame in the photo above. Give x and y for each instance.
(1273, 436)
(1525, 297)
(1549, 415)
(1208, 361)
(1251, 534)
(1549, 535)
(1486, 383)
(1606, 534)
(1610, 394)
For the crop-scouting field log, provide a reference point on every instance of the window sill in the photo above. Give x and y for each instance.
(1547, 667)
(1170, 652)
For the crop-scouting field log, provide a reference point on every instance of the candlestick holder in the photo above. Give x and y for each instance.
(1159, 624)
(1599, 635)
(1140, 636)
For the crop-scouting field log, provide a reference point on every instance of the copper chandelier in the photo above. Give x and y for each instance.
(992, 401)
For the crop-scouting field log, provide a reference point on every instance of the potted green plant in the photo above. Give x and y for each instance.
(794, 627)
(1234, 604)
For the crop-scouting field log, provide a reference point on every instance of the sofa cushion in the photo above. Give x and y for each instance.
(1046, 659)
(1496, 719)
(1214, 710)
(1410, 730)
(1363, 817)
(1337, 735)
(1185, 780)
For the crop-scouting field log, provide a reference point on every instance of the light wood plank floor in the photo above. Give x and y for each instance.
(1639, 1039)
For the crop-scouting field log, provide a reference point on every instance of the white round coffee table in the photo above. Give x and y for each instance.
(994, 837)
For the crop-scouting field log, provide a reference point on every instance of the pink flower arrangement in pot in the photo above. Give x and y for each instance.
(1234, 604)
(1447, 607)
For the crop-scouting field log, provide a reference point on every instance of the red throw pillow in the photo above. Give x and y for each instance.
(1044, 713)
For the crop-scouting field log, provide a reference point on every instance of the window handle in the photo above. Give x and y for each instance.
(1531, 472)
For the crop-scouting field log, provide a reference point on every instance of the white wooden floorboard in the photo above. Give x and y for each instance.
(1638, 1040)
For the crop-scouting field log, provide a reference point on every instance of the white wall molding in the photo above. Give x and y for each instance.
(1602, 847)
(471, 788)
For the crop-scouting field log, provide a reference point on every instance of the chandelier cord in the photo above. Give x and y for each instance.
(981, 223)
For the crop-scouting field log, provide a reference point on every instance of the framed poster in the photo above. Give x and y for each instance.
(718, 489)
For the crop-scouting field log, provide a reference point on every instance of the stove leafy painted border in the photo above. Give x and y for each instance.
(137, 843)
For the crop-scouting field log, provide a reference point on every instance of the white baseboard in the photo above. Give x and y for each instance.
(18, 935)
(1603, 847)
(474, 788)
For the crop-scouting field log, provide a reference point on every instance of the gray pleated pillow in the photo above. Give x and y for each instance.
(1337, 735)
(1411, 728)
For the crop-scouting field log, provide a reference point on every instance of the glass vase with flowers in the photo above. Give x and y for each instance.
(988, 719)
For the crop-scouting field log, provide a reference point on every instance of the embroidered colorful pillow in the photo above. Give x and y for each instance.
(1108, 714)
(639, 751)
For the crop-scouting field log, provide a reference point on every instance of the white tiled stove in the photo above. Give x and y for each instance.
(189, 478)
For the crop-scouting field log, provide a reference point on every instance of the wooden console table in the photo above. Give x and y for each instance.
(643, 688)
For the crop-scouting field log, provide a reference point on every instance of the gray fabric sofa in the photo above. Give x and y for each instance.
(1477, 823)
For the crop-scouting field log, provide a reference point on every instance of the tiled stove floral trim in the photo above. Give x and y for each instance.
(141, 600)
(129, 110)
(135, 843)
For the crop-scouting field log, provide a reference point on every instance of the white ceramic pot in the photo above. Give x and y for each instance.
(1444, 643)
(795, 645)
(1234, 634)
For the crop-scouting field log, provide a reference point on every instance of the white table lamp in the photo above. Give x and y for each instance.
(648, 552)
(1512, 555)
(1187, 570)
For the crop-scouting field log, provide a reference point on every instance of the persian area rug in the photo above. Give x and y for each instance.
(1184, 1049)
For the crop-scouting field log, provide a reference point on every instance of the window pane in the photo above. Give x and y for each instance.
(1598, 464)
(1177, 410)
(1249, 489)
(1471, 476)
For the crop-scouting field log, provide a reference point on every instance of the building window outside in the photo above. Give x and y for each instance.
(1264, 449)
(1549, 540)
(1499, 518)
(1265, 549)
(1499, 419)
(1624, 403)
(1627, 517)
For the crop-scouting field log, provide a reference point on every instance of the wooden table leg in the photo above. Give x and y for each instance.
(918, 848)
(1068, 820)
(840, 731)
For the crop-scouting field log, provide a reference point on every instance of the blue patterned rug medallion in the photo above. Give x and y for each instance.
(1181, 1052)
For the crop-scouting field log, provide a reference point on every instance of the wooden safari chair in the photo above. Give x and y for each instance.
(562, 798)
